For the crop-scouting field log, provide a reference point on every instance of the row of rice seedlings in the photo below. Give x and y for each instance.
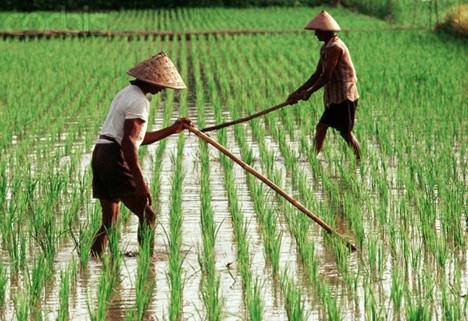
(251, 288)
(145, 279)
(215, 19)
(175, 260)
(26, 298)
(174, 275)
(210, 283)
(293, 298)
(294, 304)
(110, 274)
(67, 276)
(267, 216)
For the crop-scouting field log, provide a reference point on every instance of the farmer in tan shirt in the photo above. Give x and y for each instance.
(117, 176)
(336, 74)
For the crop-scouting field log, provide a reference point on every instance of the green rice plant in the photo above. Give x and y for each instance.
(174, 274)
(114, 237)
(3, 283)
(86, 235)
(374, 309)
(331, 306)
(64, 294)
(398, 289)
(107, 281)
(46, 236)
(451, 308)
(341, 255)
(294, 302)
(36, 279)
(22, 311)
(145, 281)
(210, 283)
(255, 304)
(418, 304)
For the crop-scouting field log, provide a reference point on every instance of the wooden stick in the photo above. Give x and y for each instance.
(241, 120)
(266, 181)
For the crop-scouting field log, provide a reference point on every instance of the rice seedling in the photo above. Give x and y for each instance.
(36, 279)
(145, 282)
(21, 304)
(293, 299)
(3, 283)
(107, 281)
(64, 295)
(174, 274)
(210, 281)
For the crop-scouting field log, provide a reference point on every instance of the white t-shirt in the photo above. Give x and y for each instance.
(129, 103)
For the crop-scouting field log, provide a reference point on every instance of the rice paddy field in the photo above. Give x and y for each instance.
(227, 247)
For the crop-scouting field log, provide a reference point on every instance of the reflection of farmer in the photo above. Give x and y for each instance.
(335, 72)
(117, 176)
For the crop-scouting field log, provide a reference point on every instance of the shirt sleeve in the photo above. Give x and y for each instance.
(138, 109)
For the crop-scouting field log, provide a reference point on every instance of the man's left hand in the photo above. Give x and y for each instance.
(305, 95)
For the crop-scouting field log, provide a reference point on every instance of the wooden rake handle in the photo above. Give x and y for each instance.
(241, 120)
(265, 180)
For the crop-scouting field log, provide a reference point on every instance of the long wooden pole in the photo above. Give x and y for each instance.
(252, 171)
(241, 120)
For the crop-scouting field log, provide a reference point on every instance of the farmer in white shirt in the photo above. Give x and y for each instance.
(117, 176)
(335, 72)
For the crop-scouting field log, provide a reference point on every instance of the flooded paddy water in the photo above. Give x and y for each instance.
(349, 296)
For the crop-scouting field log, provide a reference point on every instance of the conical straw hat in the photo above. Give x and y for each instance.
(158, 70)
(323, 21)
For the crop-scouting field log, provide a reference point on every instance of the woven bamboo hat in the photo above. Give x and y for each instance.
(158, 70)
(323, 21)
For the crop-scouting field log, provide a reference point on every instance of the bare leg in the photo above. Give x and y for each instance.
(110, 214)
(145, 213)
(352, 141)
(320, 134)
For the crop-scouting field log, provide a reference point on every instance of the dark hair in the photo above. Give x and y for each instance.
(140, 83)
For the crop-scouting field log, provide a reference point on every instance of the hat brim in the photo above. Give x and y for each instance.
(178, 87)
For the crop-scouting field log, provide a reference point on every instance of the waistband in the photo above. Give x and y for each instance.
(111, 139)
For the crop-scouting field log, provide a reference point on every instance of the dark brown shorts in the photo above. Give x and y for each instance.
(340, 116)
(112, 178)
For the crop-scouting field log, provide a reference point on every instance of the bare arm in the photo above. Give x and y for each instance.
(296, 95)
(132, 128)
(177, 127)
(334, 55)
